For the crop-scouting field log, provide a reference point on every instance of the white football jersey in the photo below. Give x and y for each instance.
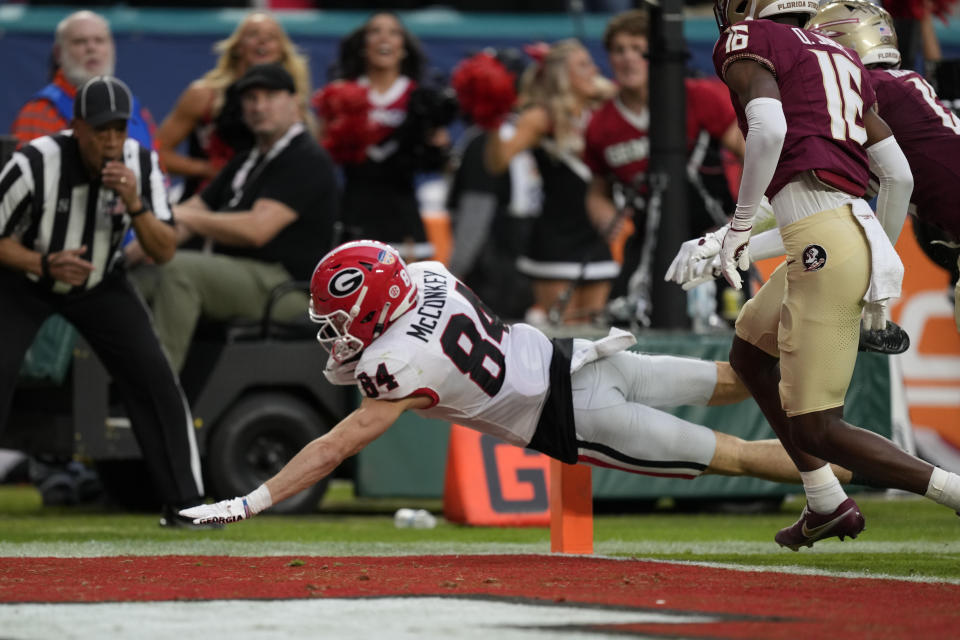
(480, 372)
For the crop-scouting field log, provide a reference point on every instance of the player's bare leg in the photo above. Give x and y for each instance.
(875, 458)
(829, 512)
(730, 388)
(765, 459)
(760, 373)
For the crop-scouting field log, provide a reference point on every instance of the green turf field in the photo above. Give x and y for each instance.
(905, 537)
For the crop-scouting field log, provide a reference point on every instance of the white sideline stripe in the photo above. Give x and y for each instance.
(397, 619)
(606, 548)
(624, 550)
(809, 571)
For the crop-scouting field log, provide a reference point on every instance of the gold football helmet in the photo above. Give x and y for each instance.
(861, 26)
(729, 12)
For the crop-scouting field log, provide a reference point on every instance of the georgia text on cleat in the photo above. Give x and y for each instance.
(846, 520)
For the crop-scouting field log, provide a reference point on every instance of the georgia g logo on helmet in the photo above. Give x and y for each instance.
(345, 282)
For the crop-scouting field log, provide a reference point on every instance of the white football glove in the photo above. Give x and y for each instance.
(703, 271)
(875, 315)
(689, 261)
(223, 512)
(734, 255)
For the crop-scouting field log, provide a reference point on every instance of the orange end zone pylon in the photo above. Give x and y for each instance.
(571, 508)
(491, 483)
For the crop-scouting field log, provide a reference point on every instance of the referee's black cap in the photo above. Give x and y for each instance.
(265, 76)
(103, 99)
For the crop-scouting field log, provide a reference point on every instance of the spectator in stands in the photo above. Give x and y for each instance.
(59, 253)
(405, 132)
(618, 154)
(83, 48)
(567, 257)
(211, 121)
(491, 215)
(266, 212)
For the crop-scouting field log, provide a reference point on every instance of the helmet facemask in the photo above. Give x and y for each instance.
(334, 334)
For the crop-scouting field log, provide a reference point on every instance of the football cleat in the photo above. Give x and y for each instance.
(890, 340)
(845, 521)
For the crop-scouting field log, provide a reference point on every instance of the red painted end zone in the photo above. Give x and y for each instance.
(754, 605)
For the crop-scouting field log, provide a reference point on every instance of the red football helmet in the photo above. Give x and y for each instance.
(356, 292)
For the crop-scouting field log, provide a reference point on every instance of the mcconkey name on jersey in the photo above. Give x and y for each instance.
(825, 91)
(478, 371)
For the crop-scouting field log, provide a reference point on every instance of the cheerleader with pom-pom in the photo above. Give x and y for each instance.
(382, 128)
(567, 259)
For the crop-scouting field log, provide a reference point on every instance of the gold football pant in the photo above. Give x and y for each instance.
(808, 312)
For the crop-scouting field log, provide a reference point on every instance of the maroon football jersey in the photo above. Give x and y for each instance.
(617, 142)
(929, 135)
(824, 89)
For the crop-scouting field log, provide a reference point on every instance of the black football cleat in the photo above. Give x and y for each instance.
(890, 340)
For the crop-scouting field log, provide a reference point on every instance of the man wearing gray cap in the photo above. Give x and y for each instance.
(66, 202)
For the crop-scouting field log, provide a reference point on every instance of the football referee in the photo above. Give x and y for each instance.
(66, 202)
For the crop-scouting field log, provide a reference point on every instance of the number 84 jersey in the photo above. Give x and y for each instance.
(478, 371)
(824, 90)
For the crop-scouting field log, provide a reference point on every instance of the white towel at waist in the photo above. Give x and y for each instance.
(886, 269)
(586, 351)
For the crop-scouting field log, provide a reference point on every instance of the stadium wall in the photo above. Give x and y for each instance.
(160, 51)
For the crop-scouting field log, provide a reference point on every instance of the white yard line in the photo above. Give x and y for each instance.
(416, 618)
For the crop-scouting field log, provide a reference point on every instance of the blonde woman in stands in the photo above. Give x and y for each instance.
(203, 112)
(567, 258)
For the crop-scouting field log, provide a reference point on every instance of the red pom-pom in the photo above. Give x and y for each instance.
(340, 98)
(485, 89)
(347, 130)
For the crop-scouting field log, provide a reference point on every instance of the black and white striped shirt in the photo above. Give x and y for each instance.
(49, 202)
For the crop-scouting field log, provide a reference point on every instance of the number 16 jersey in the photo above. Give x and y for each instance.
(824, 90)
(478, 371)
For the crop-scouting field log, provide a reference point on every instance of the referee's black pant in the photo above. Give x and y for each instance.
(114, 321)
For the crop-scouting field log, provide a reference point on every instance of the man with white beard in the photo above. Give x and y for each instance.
(83, 48)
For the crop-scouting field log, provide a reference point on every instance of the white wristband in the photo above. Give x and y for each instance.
(259, 499)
